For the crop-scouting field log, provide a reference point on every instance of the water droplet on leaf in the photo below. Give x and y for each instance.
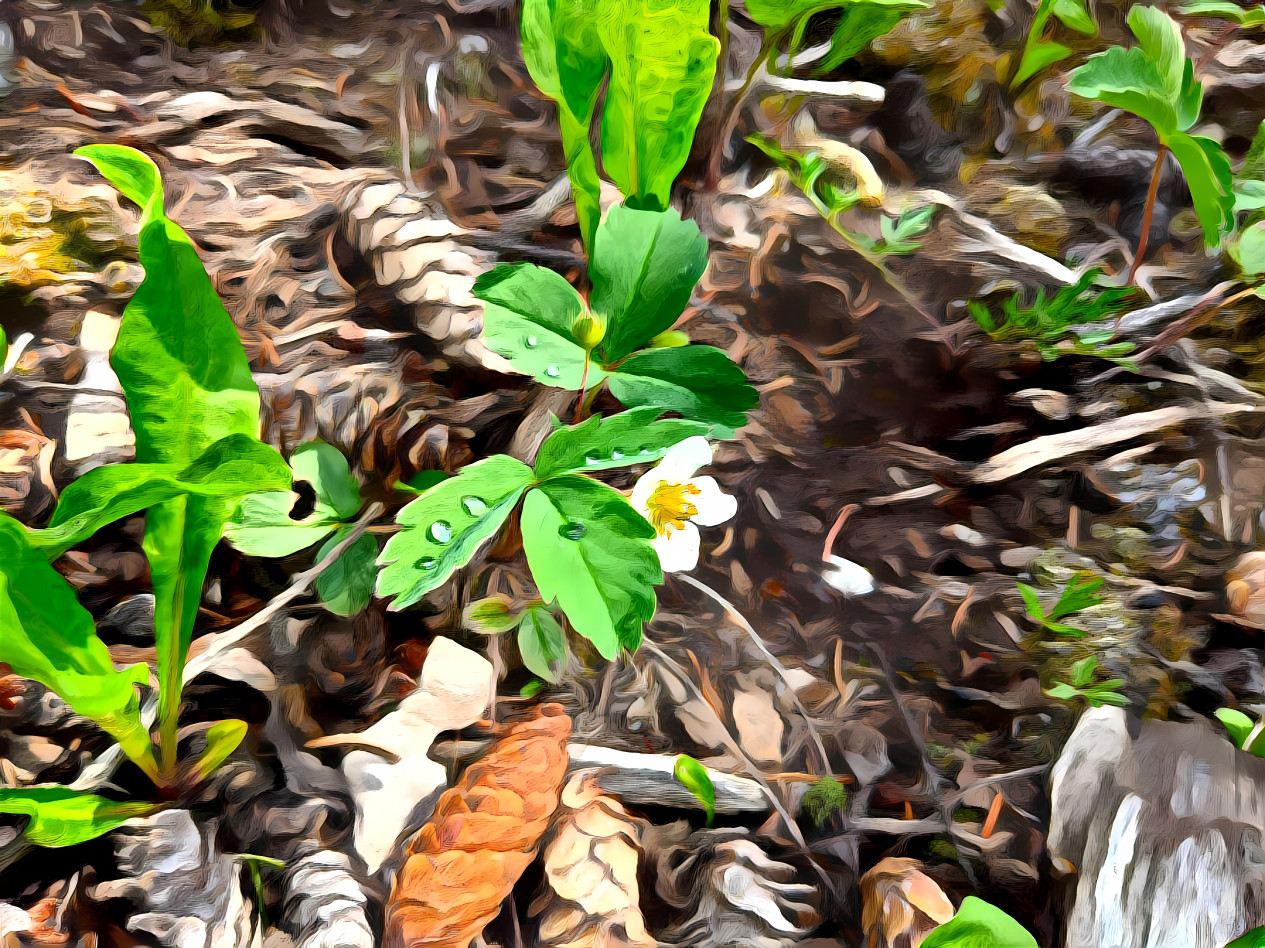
(573, 530)
(591, 460)
(552, 372)
(474, 506)
(617, 455)
(426, 564)
(440, 531)
(532, 342)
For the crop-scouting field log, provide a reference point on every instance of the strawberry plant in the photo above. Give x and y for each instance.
(1040, 53)
(1155, 80)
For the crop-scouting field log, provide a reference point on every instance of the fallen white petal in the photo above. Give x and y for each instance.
(848, 577)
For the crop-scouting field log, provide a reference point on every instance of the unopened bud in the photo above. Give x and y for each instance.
(588, 331)
(671, 339)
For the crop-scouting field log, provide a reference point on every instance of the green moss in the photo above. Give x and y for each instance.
(193, 23)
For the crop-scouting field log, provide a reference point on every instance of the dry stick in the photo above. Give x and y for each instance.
(1191, 321)
(1156, 172)
(768, 657)
(747, 763)
(730, 121)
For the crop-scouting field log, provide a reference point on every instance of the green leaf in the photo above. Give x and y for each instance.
(590, 551)
(188, 384)
(1253, 939)
(694, 777)
(60, 816)
(1073, 15)
(1248, 196)
(1160, 39)
(1036, 58)
(777, 15)
(421, 482)
(663, 61)
(324, 467)
(47, 636)
(564, 55)
(1240, 727)
(1254, 162)
(1249, 251)
(1081, 592)
(1126, 79)
(645, 265)
(860, 25)
(542, 644)
(599, 444)
(979, 925)
(262, 526)
(1062, 691)
(528, 315)
(1207, 171)
(1225, 10)
(347, 586)
(446, 526)
(1031, 602)
(1083, 671)
(491, 616)
(222, 738)
(699, 382)
(1106, 694)
(230, 468)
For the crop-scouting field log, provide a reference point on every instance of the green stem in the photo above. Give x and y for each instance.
(584, 379)
(260, 901)
(591, 397)
(730, 121)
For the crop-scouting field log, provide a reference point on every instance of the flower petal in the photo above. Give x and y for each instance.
(714, 505)
(851, 579)
(683, 459)
(678, 551)
(640, 497)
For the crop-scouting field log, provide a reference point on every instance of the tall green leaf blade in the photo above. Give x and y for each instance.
(446, 526)
(645, 266)
(188, 384)
(590, 551)
(542, 643)
(1160, 39)
(528, 316)
(1073, 15)
(47, 636)
(230, 468)
(1207, 171)
(700, 382)
(565, 58)
(347, 586)
(663, 61)
(599, 444)
(1037, 58)
(860, 25)
(60, 816)
(980, 925)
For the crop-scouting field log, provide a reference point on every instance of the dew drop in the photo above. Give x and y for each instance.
(552, 372)
(440, 531)
(426, 564)
(474, 506)
(573, 530)
(532, 342)
(591, 461)
(645, 451)
(617, 455)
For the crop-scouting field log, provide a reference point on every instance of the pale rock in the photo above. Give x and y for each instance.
(389, 773)
(759, 725)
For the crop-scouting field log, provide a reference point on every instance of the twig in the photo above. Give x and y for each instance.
(769, 657)
(748, 764)
(205, 661)
(730, 121)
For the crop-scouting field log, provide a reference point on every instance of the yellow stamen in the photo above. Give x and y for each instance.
(670, 507)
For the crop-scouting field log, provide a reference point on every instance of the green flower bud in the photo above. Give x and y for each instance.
(671, 339)
(588, 330)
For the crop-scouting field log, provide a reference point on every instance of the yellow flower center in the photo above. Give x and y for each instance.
(670, 506)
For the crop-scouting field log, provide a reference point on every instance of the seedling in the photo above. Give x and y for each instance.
(1246, 733)
(979, 925)
(1156, 81)
(1249, 17)
(1107, 692)
(861, 22)
(824, 799)
(694, 777)
(1048, 321)
(1040, 53)
(195, 412)
(1081, 592)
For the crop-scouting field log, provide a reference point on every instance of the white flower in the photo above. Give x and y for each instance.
(849, 578)
(677, 503)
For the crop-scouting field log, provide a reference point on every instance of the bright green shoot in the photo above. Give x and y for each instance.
(1040, 53)
(1247, 734)
(195, 412)
(1155, 81)
(1081, 686)
(980, 925)
(1081, 592)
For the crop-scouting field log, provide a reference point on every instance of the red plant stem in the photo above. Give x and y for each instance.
(1150, 207)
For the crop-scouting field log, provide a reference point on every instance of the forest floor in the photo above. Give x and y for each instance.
(347, 171)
